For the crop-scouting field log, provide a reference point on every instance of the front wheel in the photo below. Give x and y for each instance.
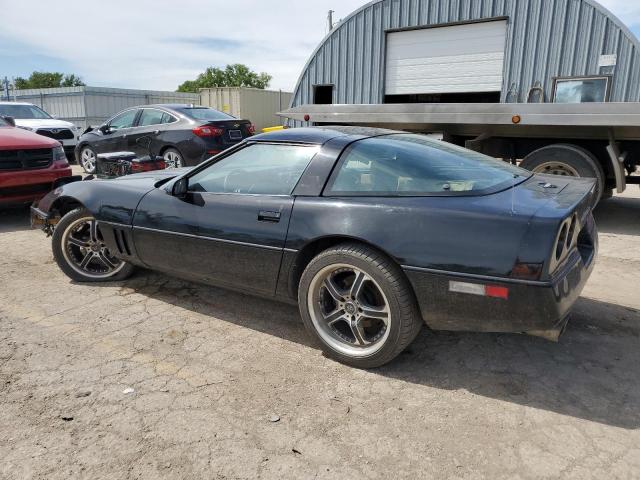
(80, 251)
(359, 305)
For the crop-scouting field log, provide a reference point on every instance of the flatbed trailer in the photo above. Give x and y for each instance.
(598, 140)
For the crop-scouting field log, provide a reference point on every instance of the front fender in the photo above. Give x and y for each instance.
(107, 201)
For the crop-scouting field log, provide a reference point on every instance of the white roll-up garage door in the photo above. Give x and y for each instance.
(453, 59)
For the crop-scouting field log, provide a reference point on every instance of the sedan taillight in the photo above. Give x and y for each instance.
(252, 129)
(206, 131)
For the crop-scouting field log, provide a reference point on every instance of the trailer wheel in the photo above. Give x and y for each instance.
(567, 160)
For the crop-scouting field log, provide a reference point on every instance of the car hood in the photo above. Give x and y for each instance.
(43, 123)
(12, 138)
(152, 177)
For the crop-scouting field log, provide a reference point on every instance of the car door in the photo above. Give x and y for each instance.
(114, 137)
(231, 227)
(150, 124)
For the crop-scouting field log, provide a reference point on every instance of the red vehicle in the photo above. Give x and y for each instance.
(29, 164)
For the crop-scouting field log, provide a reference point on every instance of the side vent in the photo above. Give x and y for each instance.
(122, 242)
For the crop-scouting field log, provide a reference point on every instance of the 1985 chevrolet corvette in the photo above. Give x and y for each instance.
(372, 232)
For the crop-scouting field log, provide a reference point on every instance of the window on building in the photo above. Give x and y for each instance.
(581, 90)
(323, 94)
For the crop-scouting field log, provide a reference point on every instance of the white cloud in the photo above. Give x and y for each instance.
(157, 44)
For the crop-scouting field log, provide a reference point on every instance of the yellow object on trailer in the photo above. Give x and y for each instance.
(273, 129)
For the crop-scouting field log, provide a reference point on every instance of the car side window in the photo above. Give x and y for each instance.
(124, 120)
(259, 169)
(151, 116)
(166, 118)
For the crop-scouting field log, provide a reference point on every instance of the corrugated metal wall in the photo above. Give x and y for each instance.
(259, 106)
(86, 106)
(545, 38)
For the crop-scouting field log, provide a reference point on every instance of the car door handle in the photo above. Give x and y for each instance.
(265, 216)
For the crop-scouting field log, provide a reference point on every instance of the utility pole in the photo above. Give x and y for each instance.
(330, 20)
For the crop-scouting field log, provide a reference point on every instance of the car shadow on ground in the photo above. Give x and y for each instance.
(590, 374)
(619, 215)
(14, 219)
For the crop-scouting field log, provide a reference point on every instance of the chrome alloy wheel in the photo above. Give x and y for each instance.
(84, 250)
(349, 310)
(556, 168)
(88, 160)
(172, 159)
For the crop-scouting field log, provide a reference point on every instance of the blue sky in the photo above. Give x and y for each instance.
(157, 44)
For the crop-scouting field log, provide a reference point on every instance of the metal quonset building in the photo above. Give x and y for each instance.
(551, 84)
(430, 51)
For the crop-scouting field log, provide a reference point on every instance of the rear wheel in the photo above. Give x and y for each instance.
(358, 304)
(568, 161)
(173, 158)
(80, 251)
(88, 159)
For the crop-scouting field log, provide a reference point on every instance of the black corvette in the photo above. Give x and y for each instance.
(184, 135)
(372, 232)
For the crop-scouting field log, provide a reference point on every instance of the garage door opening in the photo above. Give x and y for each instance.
(446, 64)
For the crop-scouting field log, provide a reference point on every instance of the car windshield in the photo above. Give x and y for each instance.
(204, 113)
(23, 112)
(406, 165)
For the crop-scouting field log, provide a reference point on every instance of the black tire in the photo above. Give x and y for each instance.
(64, 252)
(84, 163)
(576, 159)
(405, 320)
(171, 153)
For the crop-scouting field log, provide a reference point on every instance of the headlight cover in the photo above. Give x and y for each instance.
(59, 157)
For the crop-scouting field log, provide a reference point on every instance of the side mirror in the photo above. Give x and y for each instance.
(106, 129)
(180, 188)
(10, 120)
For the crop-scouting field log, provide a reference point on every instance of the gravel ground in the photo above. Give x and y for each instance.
(160, 378)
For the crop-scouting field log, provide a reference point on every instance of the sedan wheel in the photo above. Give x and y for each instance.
(80, 250)
(173, 159)
(88, 160)
(359, 305)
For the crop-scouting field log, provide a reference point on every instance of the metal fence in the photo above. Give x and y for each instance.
(86, 106)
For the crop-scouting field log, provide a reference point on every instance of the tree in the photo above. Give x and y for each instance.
(48, 80)
(236, 75)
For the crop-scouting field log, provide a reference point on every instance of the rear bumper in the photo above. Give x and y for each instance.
(536, 308)
(22, 187)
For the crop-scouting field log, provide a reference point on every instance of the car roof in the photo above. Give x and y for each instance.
(319, 135)
(16, 103)
(174, 105)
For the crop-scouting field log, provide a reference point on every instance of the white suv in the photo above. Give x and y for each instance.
(33, 118)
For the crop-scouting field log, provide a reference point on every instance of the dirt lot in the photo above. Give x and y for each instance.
(159, 378)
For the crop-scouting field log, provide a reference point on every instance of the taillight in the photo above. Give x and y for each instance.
(205, 131)
(137, 167)
(252, 129)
